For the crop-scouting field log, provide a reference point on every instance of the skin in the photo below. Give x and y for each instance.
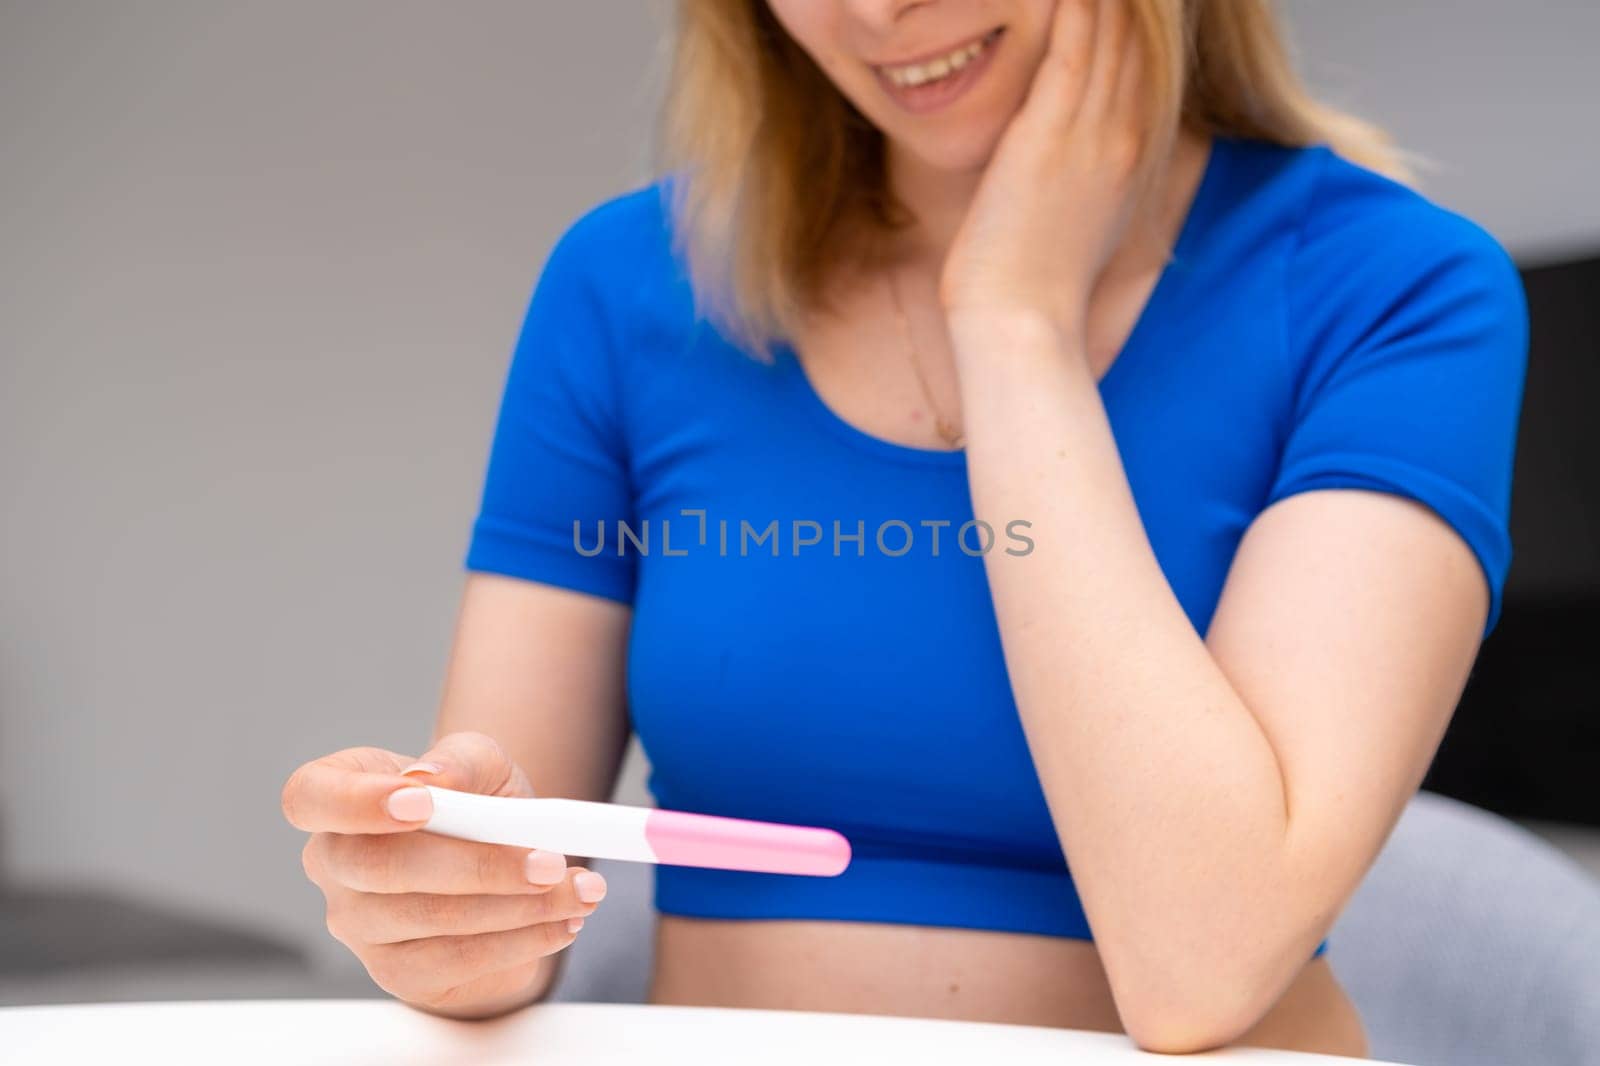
(452, 927)
(1336, 655)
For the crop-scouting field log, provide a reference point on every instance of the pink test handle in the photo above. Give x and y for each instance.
(685, 839)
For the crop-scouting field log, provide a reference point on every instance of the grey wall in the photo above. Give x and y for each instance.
(1500, 97)
(260, 268)
(261, 264)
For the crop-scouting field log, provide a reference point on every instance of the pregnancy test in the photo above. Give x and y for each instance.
(638, 834)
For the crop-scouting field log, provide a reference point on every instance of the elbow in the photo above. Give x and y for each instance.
(1173, 1033)
(1181, 988)
(1180, 1008)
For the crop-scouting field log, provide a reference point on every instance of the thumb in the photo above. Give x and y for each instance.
(470, 762)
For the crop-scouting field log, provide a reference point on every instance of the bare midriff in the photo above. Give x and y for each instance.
(936, 972)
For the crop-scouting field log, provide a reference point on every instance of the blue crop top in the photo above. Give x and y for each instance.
(813, 640)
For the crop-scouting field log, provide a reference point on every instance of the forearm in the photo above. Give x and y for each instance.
(1163, 786)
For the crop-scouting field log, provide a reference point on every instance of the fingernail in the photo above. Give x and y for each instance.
(590, 885)
(423, 768)
(574, 924)
(546, 867)
(410, 804)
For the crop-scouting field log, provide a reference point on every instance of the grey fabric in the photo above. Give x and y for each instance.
(1470, 942)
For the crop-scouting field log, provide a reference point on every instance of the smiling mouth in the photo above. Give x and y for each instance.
(932, 70)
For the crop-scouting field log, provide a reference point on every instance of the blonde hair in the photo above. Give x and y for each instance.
(775, 176)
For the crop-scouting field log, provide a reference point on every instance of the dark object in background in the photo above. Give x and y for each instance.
(64, 929)
(1525, 741)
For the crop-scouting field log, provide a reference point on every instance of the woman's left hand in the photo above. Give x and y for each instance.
(1055, 197)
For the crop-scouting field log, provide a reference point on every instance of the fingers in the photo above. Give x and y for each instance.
(347, 793)
(1126, 98)
(1072, 32)
(362, 918)
(1058, 86)
(1128, 114)
(430, 968)
(472, 762)
(427, 862)
(1110, 54)
(431, 916)
(355, 791)
(1111, 110)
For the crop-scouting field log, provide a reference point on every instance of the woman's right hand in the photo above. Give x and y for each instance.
(450, 926)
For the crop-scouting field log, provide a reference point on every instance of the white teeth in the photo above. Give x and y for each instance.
(934, 69)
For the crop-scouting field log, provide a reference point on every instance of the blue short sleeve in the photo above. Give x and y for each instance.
(558, 464)
(1408, 329)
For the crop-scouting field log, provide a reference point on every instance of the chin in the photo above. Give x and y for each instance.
(956, 150)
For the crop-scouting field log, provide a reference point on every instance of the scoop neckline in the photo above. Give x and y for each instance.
(1200, 208)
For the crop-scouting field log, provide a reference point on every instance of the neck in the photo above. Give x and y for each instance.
(937, 198)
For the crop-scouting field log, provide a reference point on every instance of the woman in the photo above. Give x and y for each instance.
(1059, 438)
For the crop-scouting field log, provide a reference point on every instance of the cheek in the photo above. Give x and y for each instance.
(817, 26)
(814, 24)
(1031, 39)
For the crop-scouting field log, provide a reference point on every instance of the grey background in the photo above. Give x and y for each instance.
(261, 265)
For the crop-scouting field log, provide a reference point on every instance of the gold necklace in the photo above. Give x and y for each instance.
(951, 433)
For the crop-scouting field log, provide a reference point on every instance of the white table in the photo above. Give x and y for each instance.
(285, 1032)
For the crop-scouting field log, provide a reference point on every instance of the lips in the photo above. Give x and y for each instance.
(933, 80)
(938, 65)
